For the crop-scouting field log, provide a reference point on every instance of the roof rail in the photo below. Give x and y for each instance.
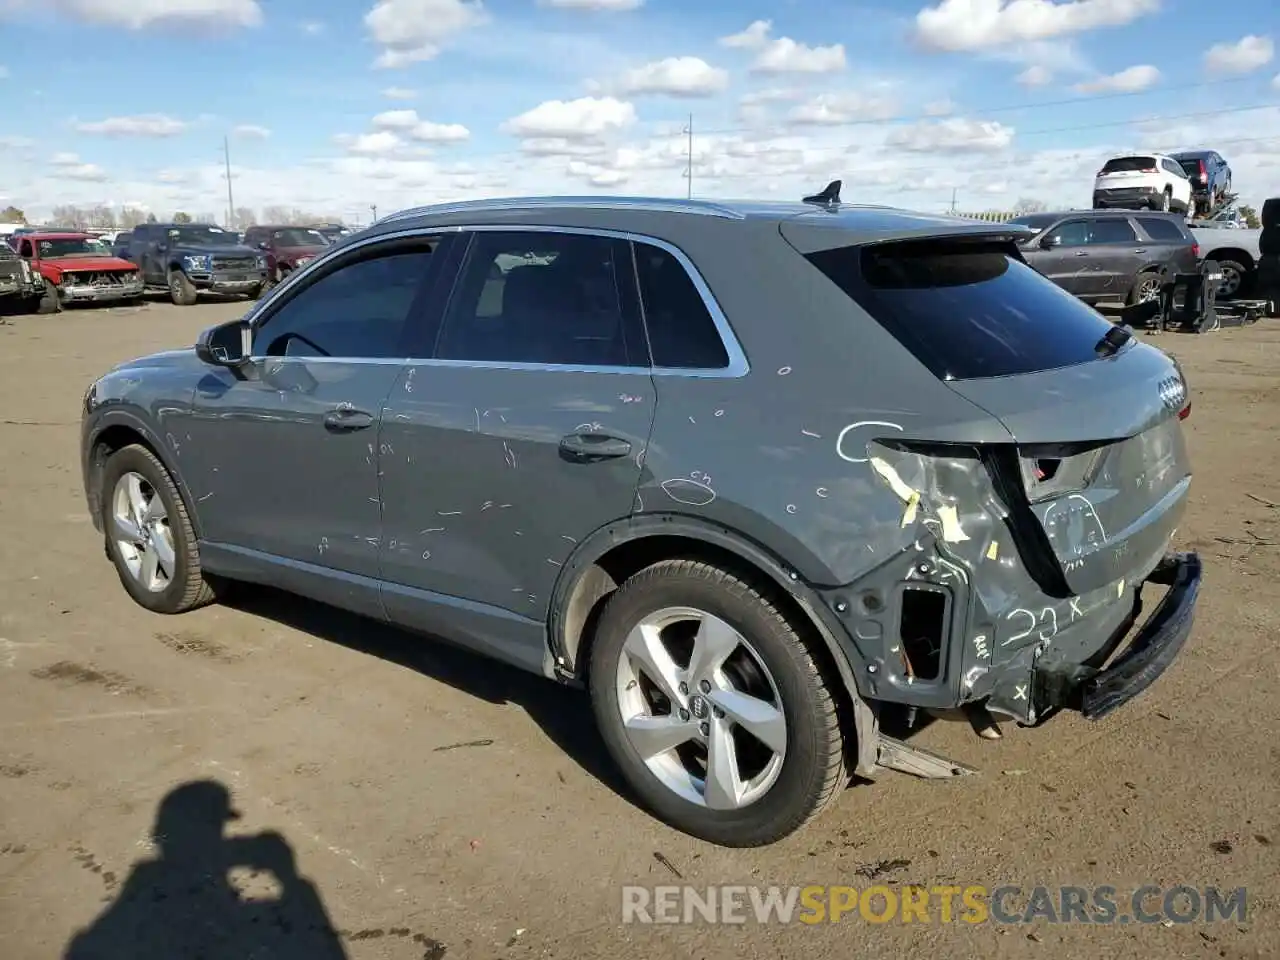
(655, 204)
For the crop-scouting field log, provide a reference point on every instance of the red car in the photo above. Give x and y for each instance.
(286, 248)
(78, 268)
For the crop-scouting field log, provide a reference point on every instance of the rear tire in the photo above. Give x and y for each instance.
(1143, 287)
(164, 527)
(1164, 202)
(771, 675)
(1236, 279)
(181, 290)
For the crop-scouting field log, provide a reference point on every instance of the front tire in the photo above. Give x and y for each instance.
(714, 706)
(51, 301)
(149, 536)
(181, 290)
(1235, 279)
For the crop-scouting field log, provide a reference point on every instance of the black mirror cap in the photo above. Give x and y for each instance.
(222, 345)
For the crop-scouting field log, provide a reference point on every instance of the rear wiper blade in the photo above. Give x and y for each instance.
(1111, 341)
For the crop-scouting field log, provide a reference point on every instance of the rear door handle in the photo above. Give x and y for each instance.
(590, 447)
(344, 419)
(1139, 249)
(1082, 253)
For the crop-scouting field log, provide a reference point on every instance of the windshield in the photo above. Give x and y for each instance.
(73, 247)
(202, 236)
(1130, 165)
(1036, 221)
(299, 237)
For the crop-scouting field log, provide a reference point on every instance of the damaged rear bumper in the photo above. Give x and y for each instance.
(1097, 692)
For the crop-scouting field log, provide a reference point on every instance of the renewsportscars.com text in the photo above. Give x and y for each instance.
(972, 904)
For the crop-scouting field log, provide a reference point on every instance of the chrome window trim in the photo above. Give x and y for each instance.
(737, 367)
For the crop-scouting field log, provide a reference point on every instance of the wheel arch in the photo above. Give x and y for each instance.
(1234, 254)
(601, 562)
(114, 431)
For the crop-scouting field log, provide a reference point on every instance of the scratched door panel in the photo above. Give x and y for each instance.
(479, 502)
(276, 478)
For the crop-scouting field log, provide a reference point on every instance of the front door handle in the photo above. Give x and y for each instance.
(1139, 249)
(345, 419)
(1082, 253)
(590, 447)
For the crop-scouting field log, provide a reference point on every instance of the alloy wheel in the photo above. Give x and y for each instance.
(701, 709)
(1230, 283)
(1148, 289)
(140, 528)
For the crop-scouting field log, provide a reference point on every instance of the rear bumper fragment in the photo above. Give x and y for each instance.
(1098, 692)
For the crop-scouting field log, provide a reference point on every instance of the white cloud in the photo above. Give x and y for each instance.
(675, 77)
(782, 54)
(144, 125)
(940, 108)
(250, 131)
(370, 144)
(785, 55)
(16, 143)
(753, 38)
(958, 134)
(1275, 82)
(407, 123)
(71, 167)
(400, 93)
(584, 118)
(1244, 56)
(1035, 76)
(833, 109)
(1129, 80)
(609, 6)
(4, 72)
(972, 25)
(413, 30)
(312, 28)
(141, 14)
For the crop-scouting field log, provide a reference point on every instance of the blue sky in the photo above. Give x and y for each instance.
(334, 106)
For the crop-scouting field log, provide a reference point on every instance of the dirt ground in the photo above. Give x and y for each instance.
(435, 805)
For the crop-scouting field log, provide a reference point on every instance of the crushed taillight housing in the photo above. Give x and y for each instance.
(1184, 412)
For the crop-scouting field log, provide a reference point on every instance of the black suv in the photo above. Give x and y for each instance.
(753, 473)
(1109, 255)
(1210, 177)
(187, 259)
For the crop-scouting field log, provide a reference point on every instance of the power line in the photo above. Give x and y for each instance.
(1006, 108)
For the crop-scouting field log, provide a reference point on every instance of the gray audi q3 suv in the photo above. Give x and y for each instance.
(763, 477)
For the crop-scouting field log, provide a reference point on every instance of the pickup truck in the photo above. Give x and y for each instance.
(18, 282)
(1237, 251)
(78, 268)
(188, 259)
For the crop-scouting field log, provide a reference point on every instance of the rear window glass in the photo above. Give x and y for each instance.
(1129, 164)
(1158, 229)
(1190, 166)
(966, 310)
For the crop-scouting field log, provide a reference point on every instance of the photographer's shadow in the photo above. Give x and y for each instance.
(183, 904)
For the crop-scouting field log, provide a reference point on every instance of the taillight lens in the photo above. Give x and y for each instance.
(1203, 172)
(1184, 412)
(1195, 250)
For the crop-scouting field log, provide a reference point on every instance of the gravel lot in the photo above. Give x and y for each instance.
(437, 805)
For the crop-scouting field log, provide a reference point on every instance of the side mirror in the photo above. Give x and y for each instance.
(1048, 243)
(226, 345)
(261, 244)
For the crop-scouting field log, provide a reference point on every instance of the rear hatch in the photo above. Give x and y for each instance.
(1126, 172)
(1095, 472)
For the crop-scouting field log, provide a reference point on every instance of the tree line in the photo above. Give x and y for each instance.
(102, 217)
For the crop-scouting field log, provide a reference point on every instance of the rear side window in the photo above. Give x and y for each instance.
(1130, 165)
(681, 332)
(966, 310)
(1112, 230)
(1158, 229)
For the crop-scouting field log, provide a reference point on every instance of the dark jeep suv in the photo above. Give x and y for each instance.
(1109, 255)
(187, 259)
(753, 473)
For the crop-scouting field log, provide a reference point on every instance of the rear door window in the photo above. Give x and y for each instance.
(1163, 230)
(1112, 230)
(966, 309)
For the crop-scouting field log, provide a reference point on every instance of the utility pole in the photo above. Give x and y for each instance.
(231, 204)
(689, 185)
(953, 200)
(373, 208)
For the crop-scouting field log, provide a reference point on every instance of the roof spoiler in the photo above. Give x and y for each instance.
(829, 197)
